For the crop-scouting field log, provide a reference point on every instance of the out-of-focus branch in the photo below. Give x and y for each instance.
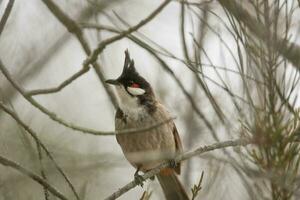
(193, 3)
(61, 121)
(42, 169)
(90, 60)
(289, 50)
(73, 28)
(6, 162)
(182, 30)
(31, 67)
(6, 14)
(170, 55)
(176, 79)
(39, 142)
(190, 121)
(44, 110)
(61, 85)
(181, 157)
(178, 82)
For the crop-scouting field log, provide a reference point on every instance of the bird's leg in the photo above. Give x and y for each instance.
(152, 178)
(172, 163)
(138, 178)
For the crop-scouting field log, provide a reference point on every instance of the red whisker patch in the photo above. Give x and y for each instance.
(135, 85)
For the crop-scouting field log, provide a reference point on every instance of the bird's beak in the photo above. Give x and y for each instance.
(113, 82)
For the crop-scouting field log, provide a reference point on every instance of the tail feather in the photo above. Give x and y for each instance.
(172, 188)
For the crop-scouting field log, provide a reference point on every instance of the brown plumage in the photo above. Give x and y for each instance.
(138, 108)
(162, 141)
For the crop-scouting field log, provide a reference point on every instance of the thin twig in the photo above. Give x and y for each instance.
(74, 28)
(193, 134)
(201, 3)
(171, 72)
(42, 169)
(181, 157)
(37, 140)
(178, 82)
(183, 31)
(81, 129)
(197, 188)
(289, 50)
(6, 15)
(60, 86)
(6, 162)
(44, 110)
(170, 55)
(54, 117)
(31, 67)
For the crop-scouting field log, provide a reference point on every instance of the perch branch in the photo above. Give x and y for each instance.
(181, 157)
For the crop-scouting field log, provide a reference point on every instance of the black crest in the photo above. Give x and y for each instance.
(130, 77)
(129, 68)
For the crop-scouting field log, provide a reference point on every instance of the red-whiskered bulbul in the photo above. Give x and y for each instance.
(138, 108)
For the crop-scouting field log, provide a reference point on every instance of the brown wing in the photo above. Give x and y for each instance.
(120, 119)
(178, 146)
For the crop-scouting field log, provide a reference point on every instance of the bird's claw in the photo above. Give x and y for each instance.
(172, 163)
(139, 180)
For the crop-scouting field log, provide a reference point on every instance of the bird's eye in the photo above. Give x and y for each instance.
(134, 85)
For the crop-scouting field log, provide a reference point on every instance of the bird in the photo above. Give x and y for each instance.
(138, 108)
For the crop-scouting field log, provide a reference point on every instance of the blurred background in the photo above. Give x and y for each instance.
(224, 70)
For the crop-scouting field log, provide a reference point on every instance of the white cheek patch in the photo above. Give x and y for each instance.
(135, 91)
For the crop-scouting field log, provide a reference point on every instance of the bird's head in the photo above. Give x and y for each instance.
(133, 90)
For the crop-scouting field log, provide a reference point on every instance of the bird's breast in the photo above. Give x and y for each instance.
(149, 146)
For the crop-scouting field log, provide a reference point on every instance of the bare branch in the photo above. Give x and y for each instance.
(183, 31)
(42, 169)
(178, 82)
(44, 110)
(61, 121)
(6, 162)
(31, 67)
(74, 28)
(289, 50)
(170, 55)
(91, 59)
(171, 72)
(39, 142)
(197, 187)
(6, 14)
(123, 34)
(181, 157)
(61, 86)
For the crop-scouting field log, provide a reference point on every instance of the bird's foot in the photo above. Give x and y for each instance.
(139, 179)
(172, 163)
